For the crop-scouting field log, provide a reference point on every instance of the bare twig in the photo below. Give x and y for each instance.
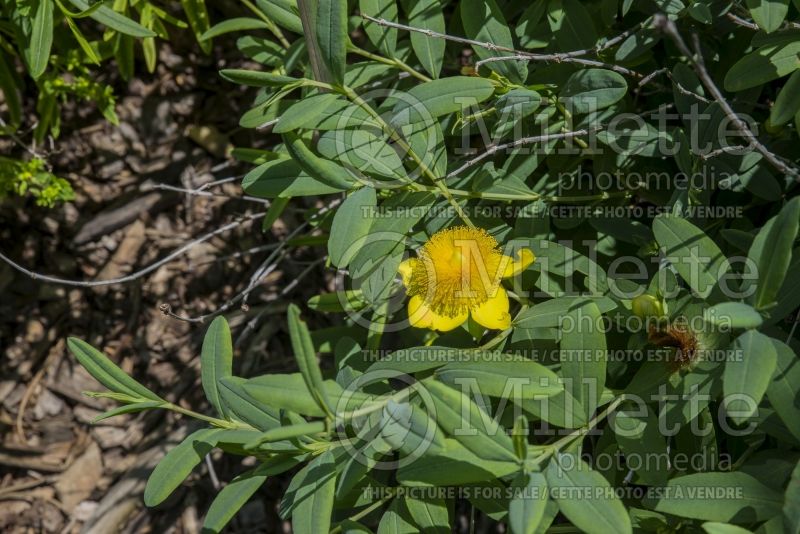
(267, 266)
(681, 89)
(202, 192)
(669, 28)
(573, 56)
(138, 274)
(741, 22)
(729, 149)
(519, 142)
(559, 58)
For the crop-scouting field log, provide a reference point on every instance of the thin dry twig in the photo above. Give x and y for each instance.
(573, 56)
(138, 274)
(669, 28)
(203, 192)
(519, 142)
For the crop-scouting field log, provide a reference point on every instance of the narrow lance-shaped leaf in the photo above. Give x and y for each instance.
(216, 361)
(351, 224)
(771, 252)
(106, 372)
(331, 32)
(37, 50)
(584, 496)
(108, 17)
(527, 506)
(306, 358)
(178, 463)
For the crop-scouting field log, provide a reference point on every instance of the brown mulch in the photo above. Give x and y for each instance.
(59, 472)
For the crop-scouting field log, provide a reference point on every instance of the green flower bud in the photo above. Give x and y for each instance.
(646, 306)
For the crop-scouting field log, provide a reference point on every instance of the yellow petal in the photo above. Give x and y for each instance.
(443, 323)
(493, 313)
(513, 268)
(405, 270)
(419, 314)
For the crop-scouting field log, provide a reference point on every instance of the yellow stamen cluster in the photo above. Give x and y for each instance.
(458, 269)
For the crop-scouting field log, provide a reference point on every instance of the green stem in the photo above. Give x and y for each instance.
(581, 432)
(401, 142)
(393, 62)
(365, 512)
(221, 423)
(276, 31)
(400, 396)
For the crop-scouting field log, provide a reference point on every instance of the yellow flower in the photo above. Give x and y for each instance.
(458, 273)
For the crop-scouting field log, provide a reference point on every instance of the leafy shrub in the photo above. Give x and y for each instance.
(565, 242)
(32, 177)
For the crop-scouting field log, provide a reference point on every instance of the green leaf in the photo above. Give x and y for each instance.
(571, 24)
(288, 432)
(410, 430)
(10, 92)
(244, 407)
(787, 105)
(484, 21)
(173, 469)
(315, 475)
(768, 14)
(304, 113)
(306, 358)
(108, 17)
(331, 33)
(283, 12)
(260, 49)
(233, 25)
(456, 465)
(397, 519)
(216, 361)
(460, 417)
(232, 497)
(362, 150)
(749, 499)
(283, 178)
(290, 392)
(322, 170)
(733, 315)
(694, 255)
(765, 64)
(550, 313)
(522, 379)
(526, 508)
(313, 514)
(592, 89)
(712, 527)
(430, 515)
(256, 78)
(583, 356)
(772, 253)
(784, 389)
(791, 506)
(384, 39)
(129, 408)
(351, 226)
(37, 50)
(429, 100)
(82, 42)
(638, 435)
(197, 14)
(427, 14)
(597, 510)
(106, 372)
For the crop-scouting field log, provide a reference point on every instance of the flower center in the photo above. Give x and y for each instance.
(458, 269)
